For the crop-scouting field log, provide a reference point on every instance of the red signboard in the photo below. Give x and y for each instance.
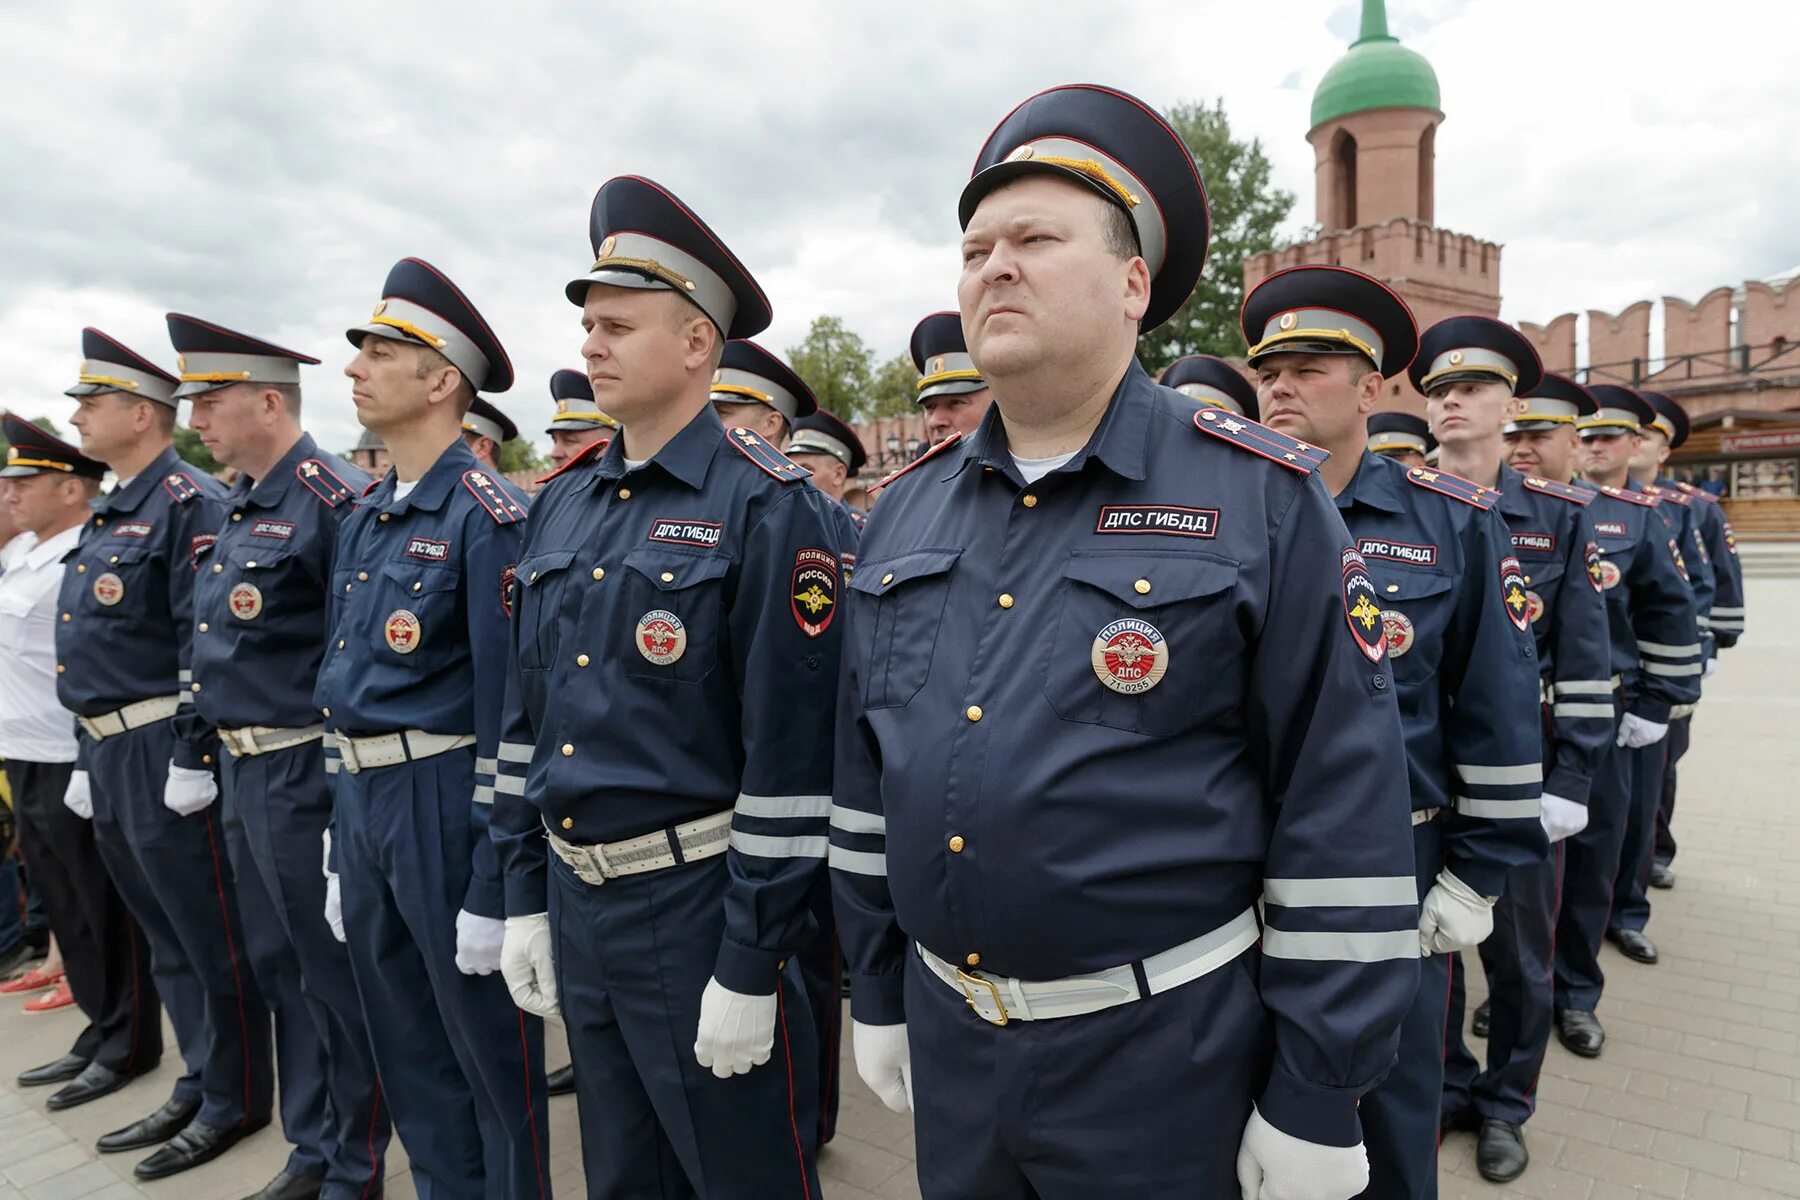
(1746, 443)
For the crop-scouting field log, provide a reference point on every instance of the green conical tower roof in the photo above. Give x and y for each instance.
(1378, 72)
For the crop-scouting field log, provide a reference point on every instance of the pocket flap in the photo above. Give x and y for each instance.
(672, 572)
(1547, 571)
(1409, 585)
(880, 578)
(542, 566)
(1147, 581)
(420, 578)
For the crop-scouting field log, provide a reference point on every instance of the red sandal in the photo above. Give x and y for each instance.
(62, 997)
(34, 980)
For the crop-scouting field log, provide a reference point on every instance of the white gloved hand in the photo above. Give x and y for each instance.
(1635, 732)
(1712, 664)
(1562, 818)
(189, 790)
(737, 1032)
(77, 798)
(884, 1060)
(1272, 1165)
(1453, 916)
(334, 907)
(528, 964)
(478, 941)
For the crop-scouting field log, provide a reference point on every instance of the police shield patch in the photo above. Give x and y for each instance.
(507, 575)
(1361, 612)
(1680, 563)
(1512, 593)
(1596, 575)
(815, 591)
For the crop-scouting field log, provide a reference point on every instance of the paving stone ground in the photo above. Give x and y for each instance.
(1697, 1096)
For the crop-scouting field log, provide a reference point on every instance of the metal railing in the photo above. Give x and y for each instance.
(1738, 362)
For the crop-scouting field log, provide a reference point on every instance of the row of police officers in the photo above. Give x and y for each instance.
(1146, 759)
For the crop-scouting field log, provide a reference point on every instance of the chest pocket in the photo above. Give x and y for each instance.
(541, 580)
(1543, 579)
(674, 615)
(419, 623)
(1415, 611)
(15, 610)
(120, 578)
(244, 583)
(1146, 643)
(897, 607)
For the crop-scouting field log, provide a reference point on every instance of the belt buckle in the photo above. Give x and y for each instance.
(964, 979)
(347, 753)
(230, 738)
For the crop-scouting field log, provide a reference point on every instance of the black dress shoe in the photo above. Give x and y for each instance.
(91, 1084)
(1580, 1032)
(153, 1130)
(196, 1144)
(1457, 1120)
(290, 1187)
(560, 1082)
(1633, 945)
(1500, 1154)
(1481, 1022)
(1661, 876)
(61, 1071)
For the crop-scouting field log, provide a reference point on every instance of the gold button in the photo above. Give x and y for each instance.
(956, 844)
(599, 572)
(568, 822)
(81, 568)
(203, 625)
(624, 493)
(1006, 600)
(568, 749)
(66, 617)
(325, 711)
(217, 567)
(99, 520)
(888, 578)
(348, 586)
(668, 577)
(1528, 579)
(533, 578)
(581, 660)
(206, 759)
(362, 577)
(60, 668)
(1141, 587)
(974, 712)
(1030, 501)
(196, 687)
(417, 584)
(113, 559)
(340, 643)
(974, 960)
(383, 517)
(237, 516)
(1393, 587)
(251, 563)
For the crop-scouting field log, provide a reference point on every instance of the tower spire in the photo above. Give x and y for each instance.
(1374, 23)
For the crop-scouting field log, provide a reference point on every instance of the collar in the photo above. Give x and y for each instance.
(1515, 500)
(128, 498)
(269, 491)
(687, 457)
(1376, 484)
(43, 553)
(1121, 441)
(433, 487)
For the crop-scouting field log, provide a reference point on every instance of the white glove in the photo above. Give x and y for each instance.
(884, 1060)
(1712, 664)
(1453, 917)
(1272, 1165)
(478, 942)
(189, 790)
(334, 907)
(737, 1032)
(1635, 732)
(77, 798)
(528, 964)
(1562, 818)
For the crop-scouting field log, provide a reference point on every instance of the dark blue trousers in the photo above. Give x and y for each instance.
(1590, 865)
(277, 806)
(461, 1066)
(1680, 737)
(1146, 1099)
(632, 959)
(1631, 887)
(822, 970)
(1400, 1116)
(174, 876)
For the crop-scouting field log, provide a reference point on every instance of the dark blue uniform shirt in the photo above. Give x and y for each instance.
(1682, 521)
(1649, 605)
(1718, 546)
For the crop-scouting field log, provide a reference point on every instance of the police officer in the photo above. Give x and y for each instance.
(1470, 369)
(752, 389)
(145, 771)
(951, 390)
(578, 422)
(1656, 657)
(1094, 709)
(1456, 616)
(668, 715)
(1214, 383)
(259, 636)
(485, 429)
(410, 692)
(828, 447)
(1402, 437)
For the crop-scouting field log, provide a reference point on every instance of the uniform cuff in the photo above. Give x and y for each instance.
(878, 999)
(1323, 1115)
(486, 898)
(1570, 785)
(1486, 879)
(527, 891)
(1650, 708)
(202, 756)
(748, 970)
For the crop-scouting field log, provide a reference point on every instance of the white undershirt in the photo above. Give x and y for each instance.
(403, 490)
(632, 464)
(1034, 469)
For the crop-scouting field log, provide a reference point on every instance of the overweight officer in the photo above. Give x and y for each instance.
(145, 770)
(1107, 691)
(410, 693)
(952, 392)
(578, 422)
(1214, 383)
(1656, 656)
(1454, 609)
(485, 429)
(259, 636)
(1402, 437)
(1470, 369)
(667, 734)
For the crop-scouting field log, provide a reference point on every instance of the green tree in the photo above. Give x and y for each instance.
(520, 455)
(837, 365)
(1246, 211)
(894, 392)
(194, 452)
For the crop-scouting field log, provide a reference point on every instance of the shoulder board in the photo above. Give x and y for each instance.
(181, 485)
(1260, 439)
(953, 440)
(1697, 492)
(1574, 493)
(324, 483)
(772, 461)
(1639, 498)
(588, 453)
(1675, 495)
(1454, 486)
(500, 506)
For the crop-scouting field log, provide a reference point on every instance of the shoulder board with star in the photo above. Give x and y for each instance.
(181, 486)
(953, 440)
(588, 453)
(324, 483)
(1574, 493)
(1246, 434)
(772, 461)
(1699, 493)
(1454, 486)
(1639, 498)
(1673, 495)
(500, 506)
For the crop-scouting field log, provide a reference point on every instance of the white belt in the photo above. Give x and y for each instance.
(132, 716)
(999, 1000)
(261, 739)
(705, 838)
(389, 749)
(1422, 815)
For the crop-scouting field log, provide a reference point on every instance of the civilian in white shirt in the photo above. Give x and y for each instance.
(48, 485)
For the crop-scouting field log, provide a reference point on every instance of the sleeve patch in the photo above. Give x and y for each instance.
(1455, 487)
(930, 454)
(1513, 594)
(1361, 609)
(500, 506)
(815, 590)
(200, 546)
(1595, 569)
(324, 483)
(508, 577)
(1680, 563)
(772, 461)
(1261, 440)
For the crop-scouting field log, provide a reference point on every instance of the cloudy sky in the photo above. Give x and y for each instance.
(263, 166)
